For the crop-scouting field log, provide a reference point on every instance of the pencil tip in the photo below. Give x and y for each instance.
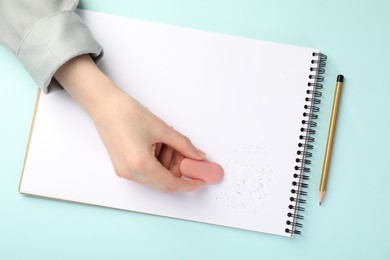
(322, 194)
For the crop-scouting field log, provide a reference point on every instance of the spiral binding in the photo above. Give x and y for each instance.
(305, 144)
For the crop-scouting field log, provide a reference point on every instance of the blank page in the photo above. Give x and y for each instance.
(240, 100)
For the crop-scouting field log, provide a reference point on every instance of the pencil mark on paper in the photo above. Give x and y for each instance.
(247, 174)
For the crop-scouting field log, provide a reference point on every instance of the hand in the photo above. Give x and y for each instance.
(142, 147)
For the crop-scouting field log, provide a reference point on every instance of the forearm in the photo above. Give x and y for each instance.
(87, 84)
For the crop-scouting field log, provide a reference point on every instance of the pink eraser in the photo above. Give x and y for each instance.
(207, 171)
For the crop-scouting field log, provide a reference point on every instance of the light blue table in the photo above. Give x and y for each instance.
(353, 223)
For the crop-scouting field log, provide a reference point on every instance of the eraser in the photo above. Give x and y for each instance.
(206, 171)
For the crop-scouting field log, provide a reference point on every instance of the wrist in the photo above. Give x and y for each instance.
(87, 84)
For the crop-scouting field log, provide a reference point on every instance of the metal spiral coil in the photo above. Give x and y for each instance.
(305, 143)
(299, 208)
(305, 137)
(301, 192)
(312, 115)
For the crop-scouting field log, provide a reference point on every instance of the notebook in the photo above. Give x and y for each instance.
(250, 105)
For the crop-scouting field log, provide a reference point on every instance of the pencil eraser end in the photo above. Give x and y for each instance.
(340, 78)
(209, 172)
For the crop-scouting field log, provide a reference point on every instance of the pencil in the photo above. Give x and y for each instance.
(331, 133)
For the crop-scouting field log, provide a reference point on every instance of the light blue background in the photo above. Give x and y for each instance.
(353, 223)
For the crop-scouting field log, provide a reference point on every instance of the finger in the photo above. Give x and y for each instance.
(167, 182)
(182, 144)
(175, 165)
(190, 185)
(166, 156)
(157, 149)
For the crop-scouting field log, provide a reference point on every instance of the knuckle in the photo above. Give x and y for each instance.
(130, 168)
(171, 188)
(185, 140)
(136, 164)
(122, 172)
(161, 128)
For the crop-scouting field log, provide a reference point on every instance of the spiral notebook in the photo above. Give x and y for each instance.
(250, 104)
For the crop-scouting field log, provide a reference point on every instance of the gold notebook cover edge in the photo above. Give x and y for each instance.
(29, 137)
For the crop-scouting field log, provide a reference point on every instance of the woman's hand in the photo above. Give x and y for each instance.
(142, 147)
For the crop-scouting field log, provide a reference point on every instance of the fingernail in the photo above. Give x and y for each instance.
(202, 187)
(201, 153)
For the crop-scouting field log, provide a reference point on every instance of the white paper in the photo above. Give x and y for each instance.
(240, 100)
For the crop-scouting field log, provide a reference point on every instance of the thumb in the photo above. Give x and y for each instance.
(182, 144)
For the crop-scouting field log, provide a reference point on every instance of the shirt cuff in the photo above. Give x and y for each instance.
(52, 42)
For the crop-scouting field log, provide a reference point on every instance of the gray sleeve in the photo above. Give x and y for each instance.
(45, 34)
